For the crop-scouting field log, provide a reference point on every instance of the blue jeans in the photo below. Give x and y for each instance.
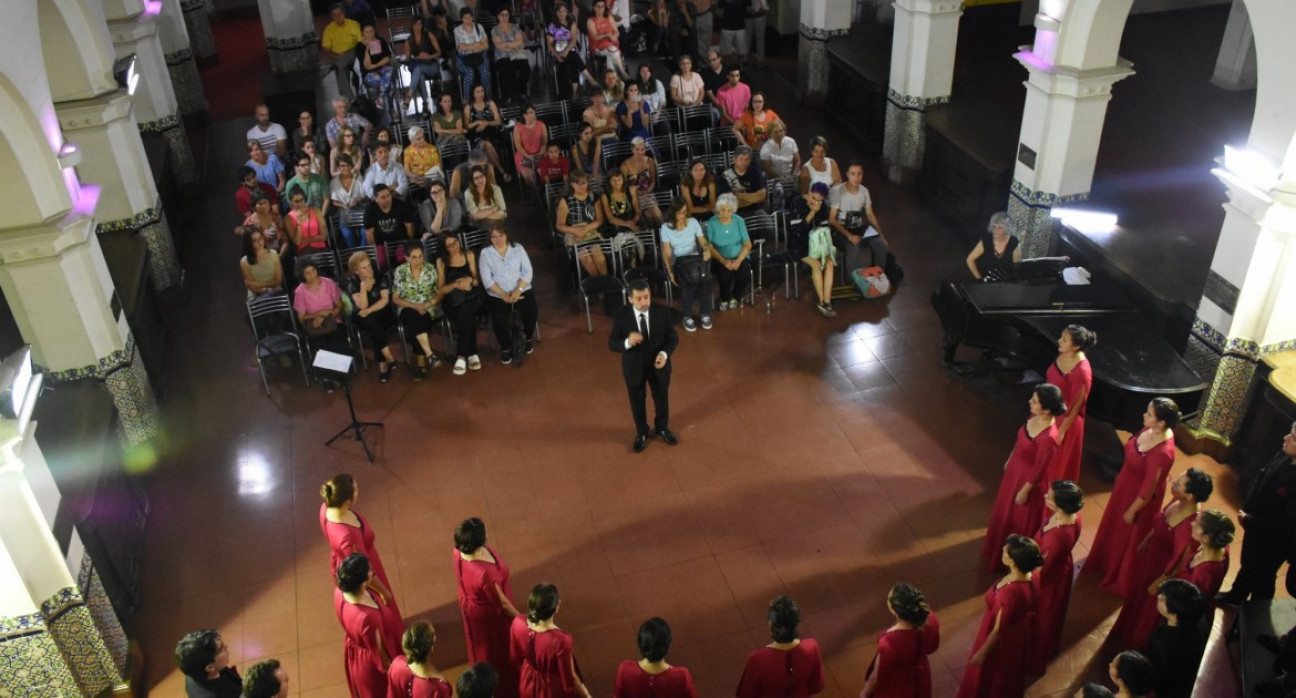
(466, 75)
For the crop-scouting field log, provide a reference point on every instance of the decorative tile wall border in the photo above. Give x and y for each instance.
(30, 662)
(191, 5)
(21, 626)
(914, 102)
(174, 59)
(1221, 292)
(166, 123)
(146, 217)
(79, 641)
(1208, 334)
(291, 43)
(820, 33)
(103, 613)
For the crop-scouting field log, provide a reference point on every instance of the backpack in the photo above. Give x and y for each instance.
(872, 282)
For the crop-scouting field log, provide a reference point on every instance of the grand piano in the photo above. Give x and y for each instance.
(1018, 324)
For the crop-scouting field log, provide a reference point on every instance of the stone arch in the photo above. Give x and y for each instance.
(77, 49)
(39, 191)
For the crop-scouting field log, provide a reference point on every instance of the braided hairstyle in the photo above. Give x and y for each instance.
(339, 490)
(1218, 527)
(909, 604)
(542, 604)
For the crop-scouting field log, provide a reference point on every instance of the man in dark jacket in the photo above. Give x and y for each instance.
(644, 334)
(1268, 515)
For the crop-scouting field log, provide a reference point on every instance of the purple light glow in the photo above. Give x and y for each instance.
(1046, 45)
(152, 7)
(1034, 60)
(87, 197)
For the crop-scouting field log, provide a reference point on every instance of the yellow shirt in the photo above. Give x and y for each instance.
(341, 39)
(418, 161)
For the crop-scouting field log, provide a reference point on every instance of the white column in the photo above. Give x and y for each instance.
(290, 35)
(156, 109)
(179, 57)
(821, 20)
(1061, 128)
(1235, 66)
(922, 71)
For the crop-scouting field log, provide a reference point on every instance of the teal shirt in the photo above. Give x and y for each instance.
(727, 240)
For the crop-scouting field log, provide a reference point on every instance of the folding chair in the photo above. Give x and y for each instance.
(286, 340)
(554, 114)
(762, 228)
(687, 146)
(596, 285)
(693, 118)
(720, 139)
(613, 154)
(475, 240)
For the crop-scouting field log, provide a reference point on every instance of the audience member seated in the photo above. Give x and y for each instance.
(1004, 247)
(315, 187)
(604, 38)
(375, 58)
(855, 227)
(726, 234)
(422, 56)
(745, 182)
(268, 168)
(348, 145)
(733, 97)
(620, 206)
(266, 679)
(640, 170)
(687, 258)
(305, 224)
(251, 186)
(482, 120)
(319, 165)
(808, 215)
(461, 177)
(412, 673)
(562, 38)
(819, 168)
(203, 658)
(506, 275)
(343, 117)
(713, 78)
(440, 213)
(1133, 675)
(652, 676)
(779, 156)
(272, 137)
(441, 30)
(578, 218)
(347, 194)
(262, 272)
(387, 221)
(651, 90)
(613, 87)
(264, 217)
(1175, 647)
(457, 268)
(470, 54)
(699, 190)
(318, 303)
(587, 152)
(601, 117)
(788, 666)
(512, 61)
(385, 172)
(371, 310)
(448, 123)
(337, 47)
(529, 140)
(553, 167)
(417, 296)
(661, 38)
(479, 681)
(635, 115)
(422, 160)
(753, 127)
(484, 201)
(686, 87)
(395, 153)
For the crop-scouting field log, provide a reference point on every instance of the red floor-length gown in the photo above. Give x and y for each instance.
(1207, 576)
(486, 623)
(345, 539)
(363, 664)
(1030, 462)
(794, 673)
(1139, 473)
(546, 659)
(1003, 673)
(1138, 614)
(633, 682)
(901, 665)
(402, 683)
(1079, 379)
(1053, 584)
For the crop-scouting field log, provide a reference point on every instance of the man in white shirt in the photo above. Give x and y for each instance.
(272, 137)
(384, 171)
(855, 227)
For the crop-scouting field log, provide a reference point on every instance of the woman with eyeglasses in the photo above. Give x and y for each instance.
(372, 312)
(422, 160)
(753, 127)
(578, 218)
(483, 200)
(726, 233)
(441, 213)
(506, 274)
(417, 294)
(347, 194)
(511, 62)
(349, 145)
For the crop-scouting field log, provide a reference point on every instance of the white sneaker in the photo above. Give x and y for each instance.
(474, 362)
(460, 366)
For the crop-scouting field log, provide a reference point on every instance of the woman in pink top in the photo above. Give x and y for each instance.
(529, 140)
(305, 224)
(603, 37)
(318, 302)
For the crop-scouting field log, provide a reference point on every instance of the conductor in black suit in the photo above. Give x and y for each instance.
(645, 335)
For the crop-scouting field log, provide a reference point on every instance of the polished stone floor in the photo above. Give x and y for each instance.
(826, 459)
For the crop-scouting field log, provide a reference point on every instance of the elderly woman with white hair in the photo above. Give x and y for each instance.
(422, 160)
(997, 250)
(726, 233)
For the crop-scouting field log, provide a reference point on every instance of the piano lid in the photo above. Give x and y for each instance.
(1043, 299)
(1128, 357)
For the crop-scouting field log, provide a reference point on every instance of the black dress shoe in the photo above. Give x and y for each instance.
(641, 441)
(667, 436)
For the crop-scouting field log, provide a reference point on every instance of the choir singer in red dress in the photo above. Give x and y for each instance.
(1071, 372)
(485, 602)
(1136, 496)
(373, 629)
(1213, 530)
(1056, 539)
(1019, 506)
(788, 667)
(651, 676)
(997, 667)
(900, 668)
(544, 651)
(1161, 555)
(412, 674)
(348, 532)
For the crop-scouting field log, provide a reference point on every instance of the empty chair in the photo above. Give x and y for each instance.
(275, 331)
(600, 285)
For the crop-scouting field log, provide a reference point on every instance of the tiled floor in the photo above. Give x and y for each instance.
(822, 458)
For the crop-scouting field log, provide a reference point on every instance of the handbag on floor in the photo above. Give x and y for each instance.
(872, 282)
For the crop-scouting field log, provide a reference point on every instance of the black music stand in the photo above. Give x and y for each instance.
(339, 367)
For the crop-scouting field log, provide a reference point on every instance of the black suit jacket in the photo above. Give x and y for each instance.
(637, 360)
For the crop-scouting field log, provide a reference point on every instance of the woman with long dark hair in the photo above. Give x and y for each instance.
(457, 266)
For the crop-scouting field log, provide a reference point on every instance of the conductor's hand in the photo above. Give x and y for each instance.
(661, 361)
(635, 339)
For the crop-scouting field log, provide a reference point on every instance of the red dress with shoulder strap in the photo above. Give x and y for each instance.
(1079, 379)
(486, 623)
(901, 664)
(1003, 673)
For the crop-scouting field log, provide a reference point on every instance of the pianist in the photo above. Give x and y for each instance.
(996, 252)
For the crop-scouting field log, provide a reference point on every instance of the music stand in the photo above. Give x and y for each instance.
(340, 364)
